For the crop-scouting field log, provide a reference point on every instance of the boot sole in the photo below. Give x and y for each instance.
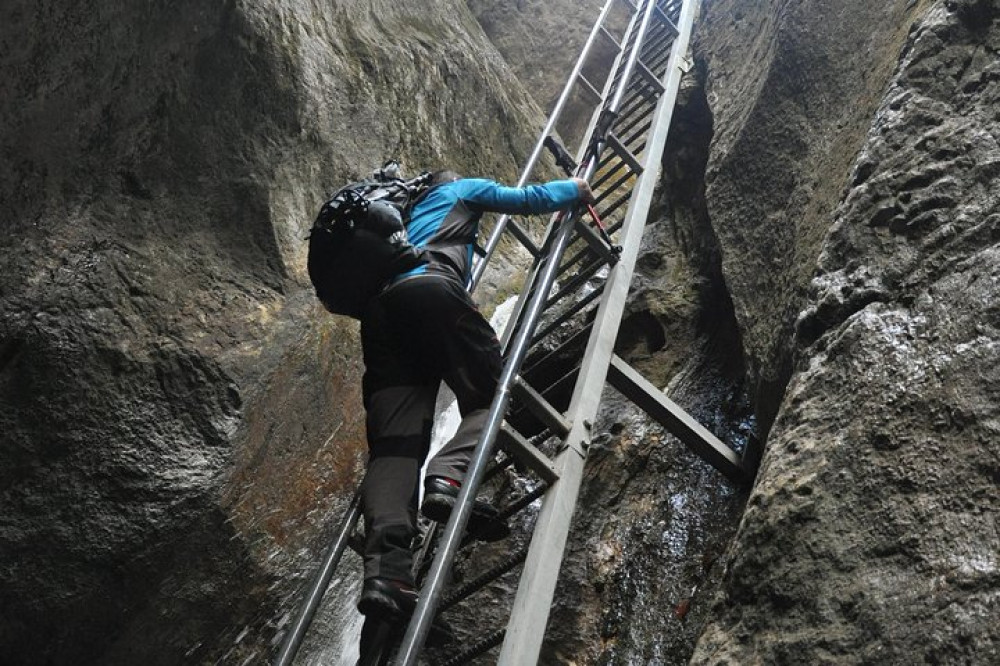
(482, 526)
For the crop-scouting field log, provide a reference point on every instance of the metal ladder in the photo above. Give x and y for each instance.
(559, 346)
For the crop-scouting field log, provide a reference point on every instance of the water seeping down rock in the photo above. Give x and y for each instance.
(180, 423)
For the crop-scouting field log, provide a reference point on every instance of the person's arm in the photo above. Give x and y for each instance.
(550, 197)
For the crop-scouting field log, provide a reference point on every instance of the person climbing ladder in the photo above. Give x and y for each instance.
(422, 329)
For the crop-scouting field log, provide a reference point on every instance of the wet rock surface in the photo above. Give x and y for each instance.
(871, 535)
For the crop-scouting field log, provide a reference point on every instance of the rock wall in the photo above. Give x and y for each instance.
(792, 88)
(179, 420)
(871, 534)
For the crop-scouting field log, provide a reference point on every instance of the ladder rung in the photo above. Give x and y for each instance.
(521, 235)
(615, 205)
(514, 507)
(611, 38)
(528, 455)
(610, 171)
(582, 277)
(569, 314)
(651, 79)
(637, 98)
(541, 407)
(525, 501)
(624, 153)
(642, 89)
(660, 14)
(582, 254)
(621, 181)
(641, 113)
(564, 382)
(560, 383)
(638, 135)
(589, 87)
(566, 344)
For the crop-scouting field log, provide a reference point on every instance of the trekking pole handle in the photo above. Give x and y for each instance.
(561, 155)
(615, 249)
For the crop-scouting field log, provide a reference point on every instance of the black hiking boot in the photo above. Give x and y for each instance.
(387, 599)
(392, 602)
(440, 494)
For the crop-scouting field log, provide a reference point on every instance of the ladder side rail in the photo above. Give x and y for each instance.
(526, 629)
(317, 587)
(494, 239)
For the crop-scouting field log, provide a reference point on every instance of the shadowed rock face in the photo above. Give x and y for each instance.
(178, 417)
(793, 88)
(871, 535)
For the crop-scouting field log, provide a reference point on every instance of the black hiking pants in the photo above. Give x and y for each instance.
(417, 333)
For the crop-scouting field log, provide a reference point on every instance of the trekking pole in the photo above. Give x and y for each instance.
(568, 165)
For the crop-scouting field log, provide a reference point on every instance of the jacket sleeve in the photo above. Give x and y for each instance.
(488, 195)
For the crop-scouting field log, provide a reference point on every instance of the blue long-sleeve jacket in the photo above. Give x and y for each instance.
(444, 223)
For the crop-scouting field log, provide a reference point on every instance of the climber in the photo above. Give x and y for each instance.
(422, 329)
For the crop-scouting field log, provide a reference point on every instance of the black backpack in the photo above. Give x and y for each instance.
(358, 241)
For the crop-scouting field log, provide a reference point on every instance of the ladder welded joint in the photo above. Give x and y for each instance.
(527, 454)
(614, 40)
(522, 236)
(660, 14)
(651, 80)
(596, 243)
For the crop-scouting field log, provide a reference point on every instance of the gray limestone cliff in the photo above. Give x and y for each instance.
(871, 535)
